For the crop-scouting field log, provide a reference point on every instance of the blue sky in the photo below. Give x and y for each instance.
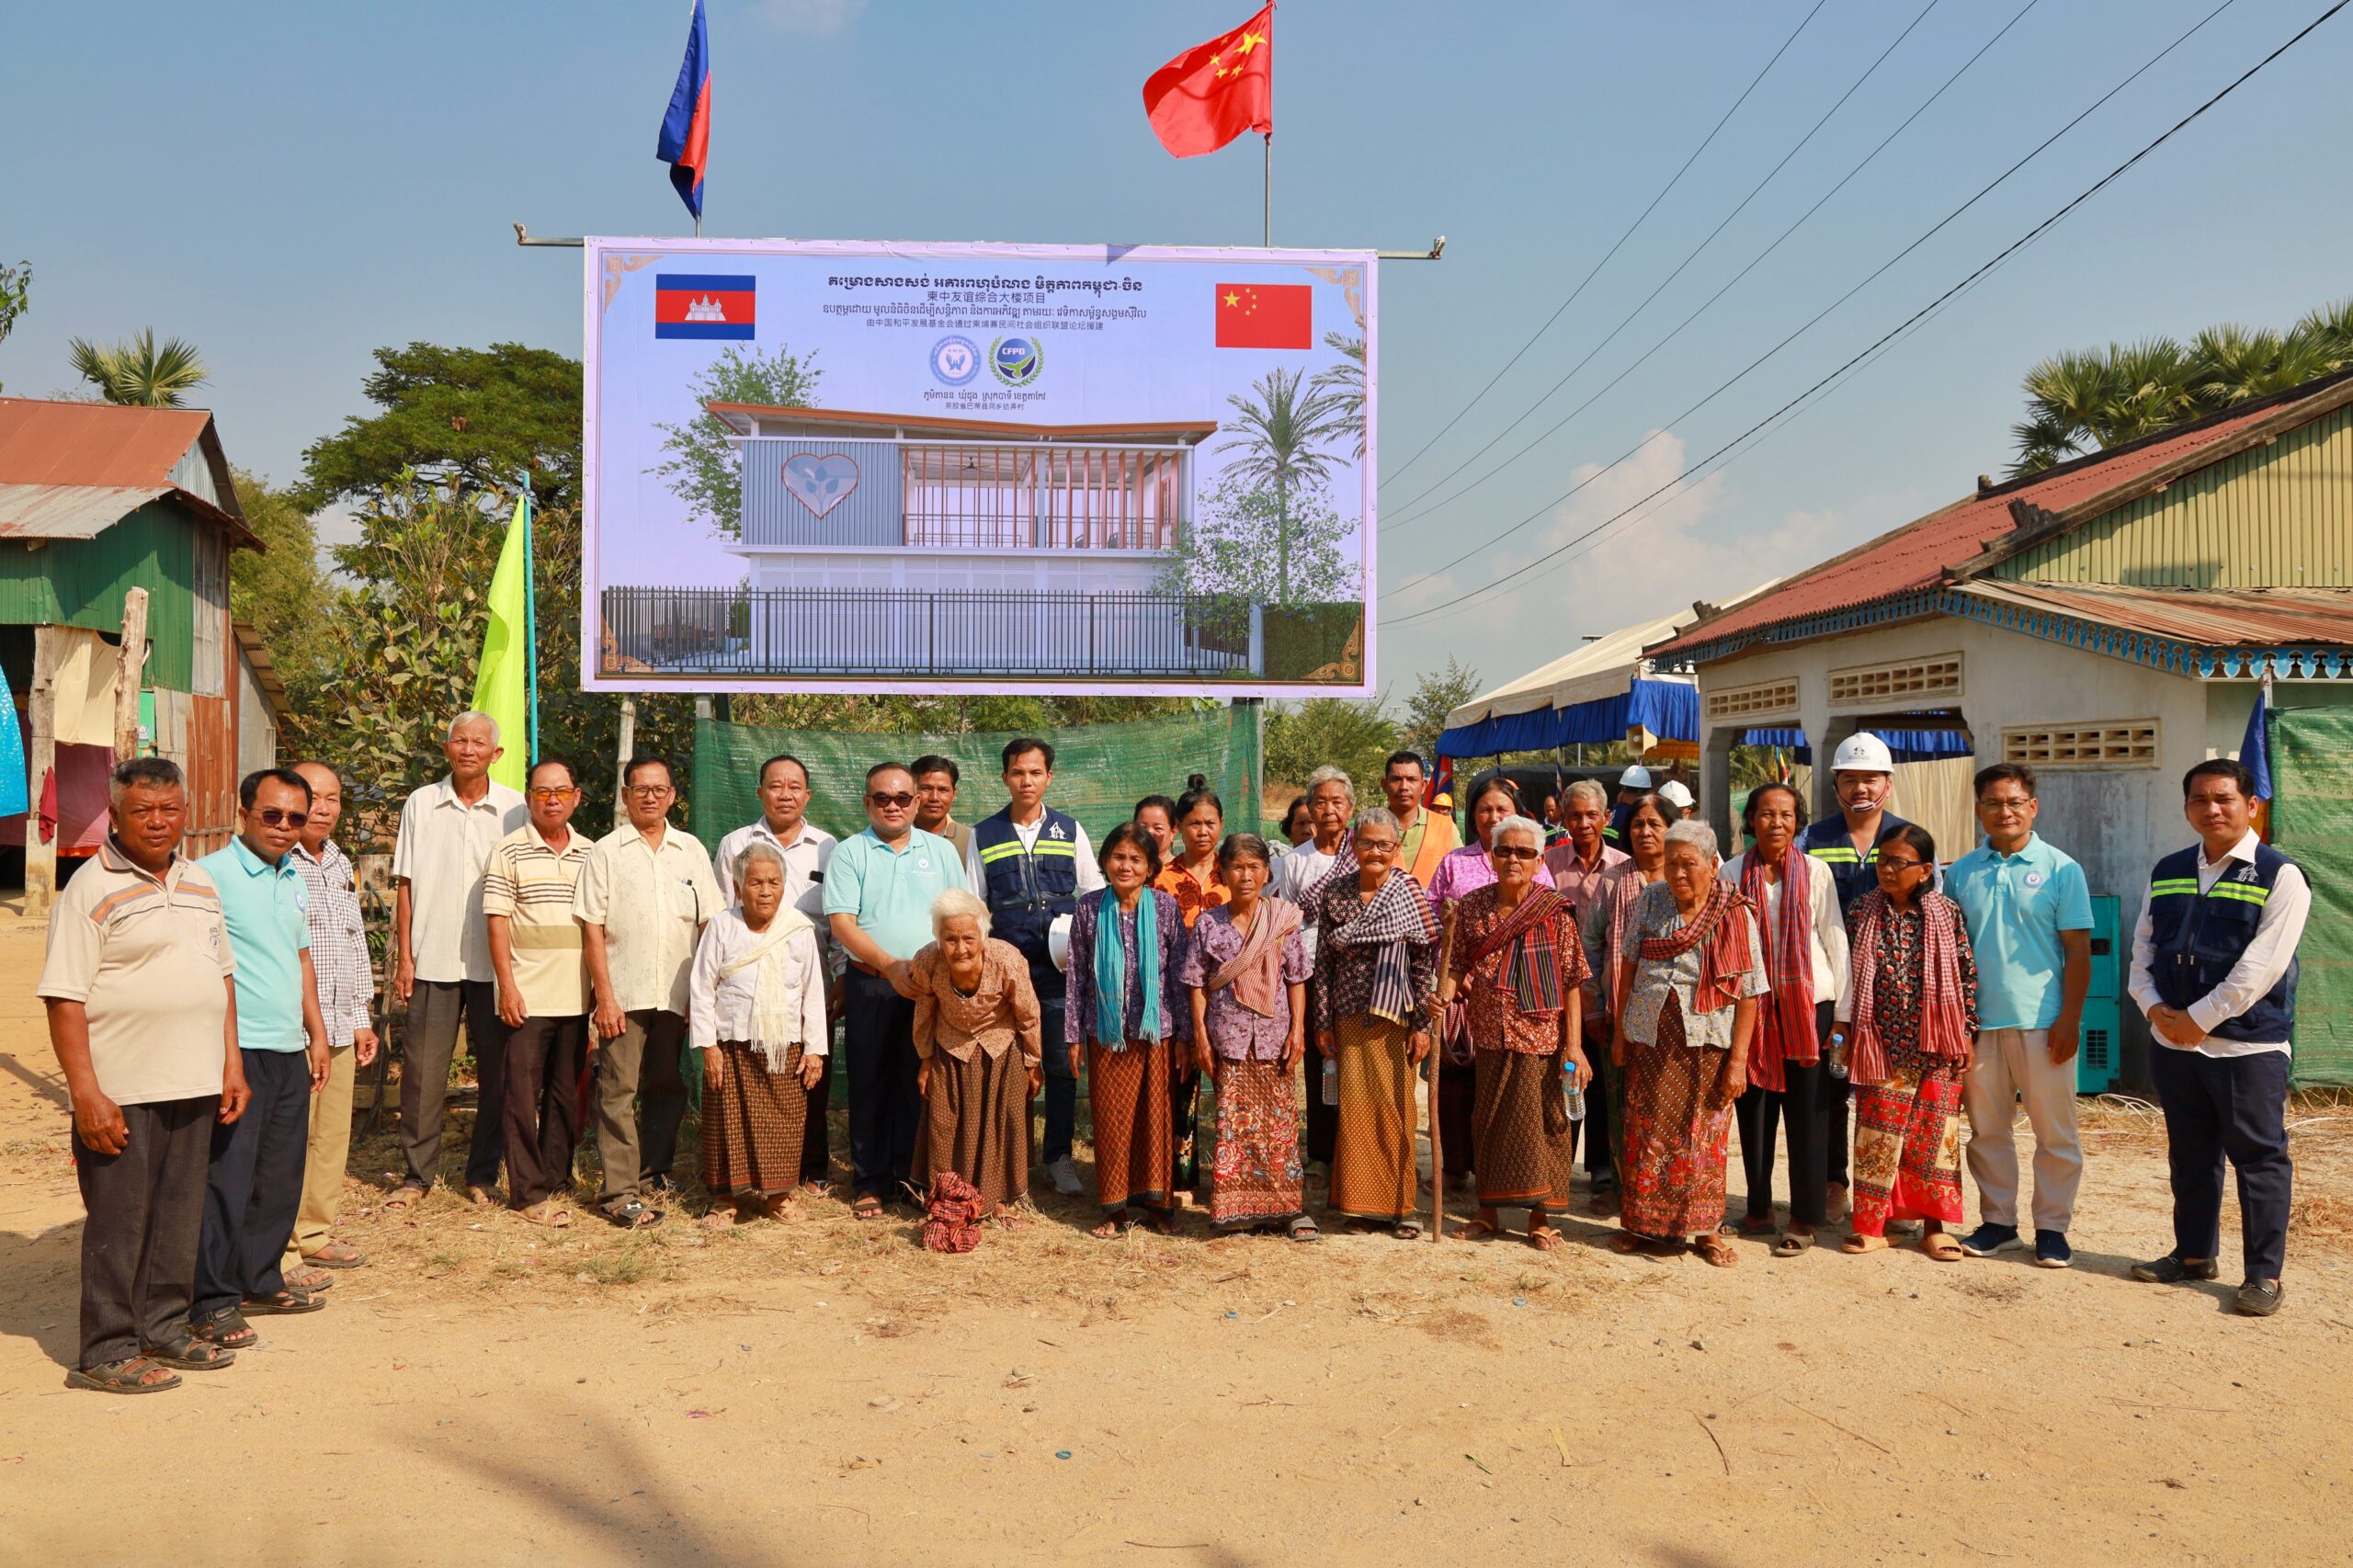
(290, 188)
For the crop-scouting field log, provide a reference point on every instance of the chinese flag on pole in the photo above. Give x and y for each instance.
(1266, 316)
(1211, 94)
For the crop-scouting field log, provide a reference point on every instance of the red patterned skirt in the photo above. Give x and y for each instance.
(1671, 1183)
(1255, 1179)
(1907, 1144)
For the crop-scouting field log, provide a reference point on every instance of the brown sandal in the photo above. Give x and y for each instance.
(1859, 1244)
(1942, 1246)
(1716, 1251)
(131, 1376)
(1544, 1238)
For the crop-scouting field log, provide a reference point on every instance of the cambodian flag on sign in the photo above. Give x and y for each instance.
(694, 304)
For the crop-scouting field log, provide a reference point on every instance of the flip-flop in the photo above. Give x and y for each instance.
(121, 1377)
(867, 1208)
(547, 1214)
(1716, 1252)
(1756, 1225)
(403, 1197)
(1547, 1239)
(1788, 1245)
(1477, 1231)
(1857, 1244)
(630, 1215)
(1406, 1230)
(1303, 1229)
(1112, 1229)
(1949, 1252)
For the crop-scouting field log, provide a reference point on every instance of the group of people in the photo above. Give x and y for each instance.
(1605, 972)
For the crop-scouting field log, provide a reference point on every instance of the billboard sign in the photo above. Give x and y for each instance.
(853, 466)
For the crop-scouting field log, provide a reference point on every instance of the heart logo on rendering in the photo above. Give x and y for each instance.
(821, 483)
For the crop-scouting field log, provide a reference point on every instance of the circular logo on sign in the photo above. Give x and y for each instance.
(2034, 879)
(955, 360)
(1015, 361)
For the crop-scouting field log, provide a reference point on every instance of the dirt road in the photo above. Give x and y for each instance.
(824, 1393)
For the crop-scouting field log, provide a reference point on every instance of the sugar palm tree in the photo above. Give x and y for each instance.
(1282, 435)
(139, 372)
(1345, 381)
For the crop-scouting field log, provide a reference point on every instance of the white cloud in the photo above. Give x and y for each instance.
(819, 19)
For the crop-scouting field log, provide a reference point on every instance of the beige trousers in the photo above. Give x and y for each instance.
(2012, 1065)
(330, 1152)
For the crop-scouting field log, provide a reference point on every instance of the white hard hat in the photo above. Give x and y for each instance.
(1675, 794)
(1058, 942)
(1862, 751)
(1635, 777)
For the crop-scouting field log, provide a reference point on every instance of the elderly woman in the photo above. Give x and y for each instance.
(1519, 963)
(1126, 944)
(1796, 901)
(1691, 979)
(757, 1008)
(1297, 828)
(1247, 970)
(974, 1006)
(1608, 929)
(1376, 971)
(1906, 1023)
(1331, 802)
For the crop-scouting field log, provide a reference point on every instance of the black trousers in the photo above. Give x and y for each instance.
(1061, 1084)
(2231, 1108)
(435, 1010)
(1601, 1168)
(1806, 1110)
(885, 1110)
(146, 1210)
(544, 1060)
(1323, 1120)
(254, 1188)
(817, 1126)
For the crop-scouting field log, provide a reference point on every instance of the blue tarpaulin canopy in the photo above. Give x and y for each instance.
(1668, 708)
(1909, 745)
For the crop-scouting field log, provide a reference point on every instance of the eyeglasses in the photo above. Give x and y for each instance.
(1513, 852)
(272, 817)
(899, 799)
(1376, 846)
(651, 791)
(1887, 864)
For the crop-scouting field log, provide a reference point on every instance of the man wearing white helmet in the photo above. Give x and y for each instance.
(1863, 772)
(1633, 785)
(1675, 794)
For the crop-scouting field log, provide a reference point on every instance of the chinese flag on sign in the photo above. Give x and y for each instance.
(1211, 94)
(1266, 316)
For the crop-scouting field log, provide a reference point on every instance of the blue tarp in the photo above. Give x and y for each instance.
(1909, 745)
(15, 796)
(1668, 708)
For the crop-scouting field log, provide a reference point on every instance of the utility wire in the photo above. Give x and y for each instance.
(1644, 358)
(1661, 286)
(1917, 316)
(1613, 250)
(1815, 319)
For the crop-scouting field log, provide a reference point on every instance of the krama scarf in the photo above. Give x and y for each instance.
(1257, 971)
(1785, 1032)
(1397, 921)
(1725, 956)
(1943, 1008)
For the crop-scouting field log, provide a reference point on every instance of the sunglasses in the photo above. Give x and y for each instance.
(272, 817)
(1513, 852)
(554, 794)
(899, 798)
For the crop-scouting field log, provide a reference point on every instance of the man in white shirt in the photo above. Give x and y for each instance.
(643, 901)
(441, 956)
(806, 850)
(2214, 968)
(1331, 802)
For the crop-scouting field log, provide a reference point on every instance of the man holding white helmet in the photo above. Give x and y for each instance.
(1863, 772)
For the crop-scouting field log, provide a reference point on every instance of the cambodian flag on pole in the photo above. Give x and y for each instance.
(685, 128)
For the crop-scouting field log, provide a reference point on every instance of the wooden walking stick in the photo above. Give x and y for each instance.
(1438, 1062)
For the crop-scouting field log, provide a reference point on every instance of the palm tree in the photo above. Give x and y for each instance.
(1345, 381)
(1282, 435)
(139, 372)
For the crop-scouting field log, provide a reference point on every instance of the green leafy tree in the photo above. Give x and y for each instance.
(1436, 693)
(703, 468)
(480, 419)
(15, 294)
(138, 371)
(1280, 435)
(279, 590)
(1345, 382)
(1238, 544)
(1356, 735)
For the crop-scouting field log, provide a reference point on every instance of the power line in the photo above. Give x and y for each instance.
(1662, 285)
(1613, 250)
(1917, 316)
(1754, 262)
(1816, 318)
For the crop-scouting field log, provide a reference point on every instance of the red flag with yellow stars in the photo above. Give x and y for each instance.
(1266, 316)
(1211, 94)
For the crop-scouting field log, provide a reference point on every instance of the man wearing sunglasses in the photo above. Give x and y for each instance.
(878, 892)
(254, 1188)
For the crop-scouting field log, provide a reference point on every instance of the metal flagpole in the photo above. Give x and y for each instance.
(531, 642)
(1268, 234)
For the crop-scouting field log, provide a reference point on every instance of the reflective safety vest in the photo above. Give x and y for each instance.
(1027, 888)
(2200, 937)
(1829, 842)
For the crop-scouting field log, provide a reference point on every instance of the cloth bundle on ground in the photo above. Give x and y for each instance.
(952, 1214)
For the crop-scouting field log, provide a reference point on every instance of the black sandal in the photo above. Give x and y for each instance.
(120, 1377)
(284, 1303)
(630, 1215)
(228, 1330)
(189, 1354)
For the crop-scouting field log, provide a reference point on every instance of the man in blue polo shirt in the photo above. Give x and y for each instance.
(2029, 918)
(254, 1188)
(878, 892)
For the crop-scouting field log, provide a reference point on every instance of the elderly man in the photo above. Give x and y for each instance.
(347, 1000)
(254, 1188)
(535, 944)
(441, 956)
(143, 1016)
(1429, 836)
(1331, 802)
(644, 898)
(2214, 968)
(878, 900)
(1584, 869)
(937, 779)
(807, 850)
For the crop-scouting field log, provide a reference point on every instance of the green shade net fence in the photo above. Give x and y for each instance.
(2312, 821)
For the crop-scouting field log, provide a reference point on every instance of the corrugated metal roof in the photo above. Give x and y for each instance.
(1919, 554)
(2203, 617)
(69, 511)
(94, 443)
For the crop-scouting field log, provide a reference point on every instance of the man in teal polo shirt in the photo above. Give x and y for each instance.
(2029, 923)
(254, 1188)
(880, 887)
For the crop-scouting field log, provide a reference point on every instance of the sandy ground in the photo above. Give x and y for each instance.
(826, 1393)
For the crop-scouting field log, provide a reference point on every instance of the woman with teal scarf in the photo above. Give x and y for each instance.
(1125, 1006)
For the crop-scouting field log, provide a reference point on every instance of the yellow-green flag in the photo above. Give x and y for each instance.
(505, 684)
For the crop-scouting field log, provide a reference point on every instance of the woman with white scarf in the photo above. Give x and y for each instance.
(757, 1010)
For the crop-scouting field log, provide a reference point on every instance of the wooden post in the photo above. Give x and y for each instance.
(133, 664)
(41, 858)
(1437, 1065)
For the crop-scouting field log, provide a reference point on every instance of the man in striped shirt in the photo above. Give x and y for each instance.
(347, 979)
(535, 944)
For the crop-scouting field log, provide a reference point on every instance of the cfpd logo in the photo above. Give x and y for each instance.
(955, 360)
(1015, 361)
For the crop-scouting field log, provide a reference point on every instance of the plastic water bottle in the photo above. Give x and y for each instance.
(1835, 1057)
(1331, 1082)
(1575, 1095)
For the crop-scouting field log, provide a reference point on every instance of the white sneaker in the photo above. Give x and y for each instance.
(1065, 1177)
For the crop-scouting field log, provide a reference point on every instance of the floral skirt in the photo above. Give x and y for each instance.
(1907, 1144)
(1517, 1160)
(1255, 1179)
(1671, 1182)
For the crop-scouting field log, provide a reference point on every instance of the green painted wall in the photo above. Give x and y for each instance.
(2277, 517)
(81, 582)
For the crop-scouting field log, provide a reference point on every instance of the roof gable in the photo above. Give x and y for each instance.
(85, 458)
